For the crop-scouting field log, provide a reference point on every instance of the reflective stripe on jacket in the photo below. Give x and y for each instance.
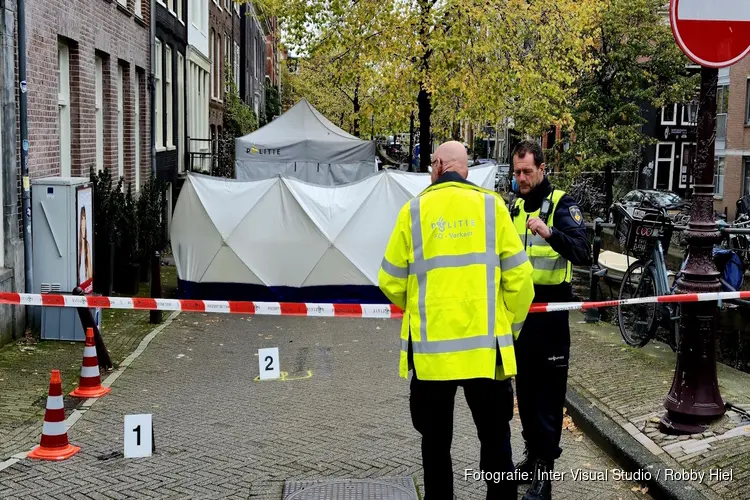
(454, 264)
(550, 268)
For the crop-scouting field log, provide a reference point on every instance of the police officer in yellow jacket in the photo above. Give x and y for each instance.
(456, 267)
(551, 228)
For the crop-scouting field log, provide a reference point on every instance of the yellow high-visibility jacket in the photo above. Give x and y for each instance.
(550, 268)
(455, 265)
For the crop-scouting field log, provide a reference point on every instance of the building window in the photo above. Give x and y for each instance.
(212, 53)
(137, 123)
(158, 104)
(168, 95)
(719, 176)
(178, 9)
(236, 64)
(722, 107)
(664, 166)
(747, 103)
(746, 176)
(120, 121)
(99, 103)
(255, 60)
(63, 107)
(669, 115)
(690, 113)
(180, 113)
(227, 50)
(687, 163)
(137, 8)
(217, 60)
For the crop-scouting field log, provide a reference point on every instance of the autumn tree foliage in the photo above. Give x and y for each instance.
(445, 60)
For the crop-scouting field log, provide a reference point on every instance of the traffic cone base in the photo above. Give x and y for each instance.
(90, 385)
(54, 453)
(90, 392)
(54, 444)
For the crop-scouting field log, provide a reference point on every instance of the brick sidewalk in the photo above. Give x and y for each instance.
(25, 370)
(219, 434)
(630, 385)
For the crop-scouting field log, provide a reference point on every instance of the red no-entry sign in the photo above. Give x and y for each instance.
(712, 33)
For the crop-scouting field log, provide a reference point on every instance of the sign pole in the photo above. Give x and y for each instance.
(694, 399)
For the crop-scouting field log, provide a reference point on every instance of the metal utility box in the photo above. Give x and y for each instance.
(62, 241)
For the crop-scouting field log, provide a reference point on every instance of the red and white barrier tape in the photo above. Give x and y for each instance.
(313, 309)
(207, 306)
(686, 297)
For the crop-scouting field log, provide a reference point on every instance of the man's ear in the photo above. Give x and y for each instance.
(542, 167)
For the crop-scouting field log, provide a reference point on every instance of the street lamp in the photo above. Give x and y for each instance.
(694, 399)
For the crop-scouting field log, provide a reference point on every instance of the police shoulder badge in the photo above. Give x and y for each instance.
(575, 212)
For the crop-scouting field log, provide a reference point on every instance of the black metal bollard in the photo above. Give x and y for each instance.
(593, 315)
(87, 321)
(156, 316)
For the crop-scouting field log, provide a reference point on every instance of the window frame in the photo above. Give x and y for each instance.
(719, 173)
(168, 91)
(99, 110)
(683, 185)
(674, 121)
(673, 146)
(120, 121)
(158, 105)
(137, 129)
(63, 109)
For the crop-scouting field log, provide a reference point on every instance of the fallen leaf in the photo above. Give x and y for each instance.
(579, 439)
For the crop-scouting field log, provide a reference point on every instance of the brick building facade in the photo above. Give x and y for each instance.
(253, 55)
(733, 165)
(272, 54)
(221, 43)
(88, 67)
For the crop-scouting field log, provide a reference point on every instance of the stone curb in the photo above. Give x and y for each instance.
(630, 454)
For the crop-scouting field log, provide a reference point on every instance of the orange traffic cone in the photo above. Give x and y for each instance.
(90, 385)
(54, 444)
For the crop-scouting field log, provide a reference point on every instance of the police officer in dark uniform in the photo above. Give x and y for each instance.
(553, 232)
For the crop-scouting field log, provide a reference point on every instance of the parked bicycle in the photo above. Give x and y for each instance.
(645, 233)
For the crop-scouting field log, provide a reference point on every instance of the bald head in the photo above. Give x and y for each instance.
(450, 157)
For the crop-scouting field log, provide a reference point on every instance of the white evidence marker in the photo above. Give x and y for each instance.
(268, 363)
(139, 437)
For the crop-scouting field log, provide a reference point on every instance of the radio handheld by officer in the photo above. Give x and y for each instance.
(456, 267)
(551, 228)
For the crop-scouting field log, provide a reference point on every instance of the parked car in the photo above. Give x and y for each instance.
(673, 203)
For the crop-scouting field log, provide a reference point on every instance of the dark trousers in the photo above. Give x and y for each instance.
(491, 403)
(543, 351)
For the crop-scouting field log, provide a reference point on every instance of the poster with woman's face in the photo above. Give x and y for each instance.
(84, 243)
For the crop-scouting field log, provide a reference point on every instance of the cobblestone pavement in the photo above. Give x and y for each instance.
(220, 434)
(630, 386)
(25, 367)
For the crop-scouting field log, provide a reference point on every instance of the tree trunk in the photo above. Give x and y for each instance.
(356, 109)
(423, 99)
(608, 185)
(425, 112)
(411, 142)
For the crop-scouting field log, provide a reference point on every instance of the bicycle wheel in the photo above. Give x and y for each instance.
(638, 322)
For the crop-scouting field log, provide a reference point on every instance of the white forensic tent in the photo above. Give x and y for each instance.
(283, 232)
(303, 143)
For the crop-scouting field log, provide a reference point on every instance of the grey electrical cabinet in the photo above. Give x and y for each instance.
(62, 242)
